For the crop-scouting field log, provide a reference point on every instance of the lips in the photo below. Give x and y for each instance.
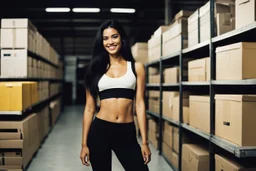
(112, 47)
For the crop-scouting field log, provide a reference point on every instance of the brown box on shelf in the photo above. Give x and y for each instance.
(140, 52)
(234, 119)
(14, 134)
(183, 14)
(171, 75)
(153, 94)
(168, 98)
(14, 63)
(175, 159)
(154, 78)
(15, 161)
(153, 138)
(15, 96)
(193, 29)
(153, 125)
(168, 134)
(176, 139)
(160, 30)
(18, 33)
(194, 157)
(167, 151)
(224, 23)
(43, 123)
(11, 154)
(245, 12)
(176, 106)
(199, 70)
(199, 112)
(225, 164)
(186, 115)
(172, 37)
(236, 61)
(30, 141)
(205, 24)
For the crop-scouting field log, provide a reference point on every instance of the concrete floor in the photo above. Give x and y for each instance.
(61, 149)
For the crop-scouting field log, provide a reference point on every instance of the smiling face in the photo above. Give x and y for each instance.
(112, 41)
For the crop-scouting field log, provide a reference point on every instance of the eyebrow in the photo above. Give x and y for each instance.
(112, 35)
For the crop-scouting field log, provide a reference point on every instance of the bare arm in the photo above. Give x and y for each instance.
(140, 102)
(88, 116)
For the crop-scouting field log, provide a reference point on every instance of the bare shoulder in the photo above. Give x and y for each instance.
(140, 68)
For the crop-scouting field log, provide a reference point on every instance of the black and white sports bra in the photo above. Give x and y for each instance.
(120, 87)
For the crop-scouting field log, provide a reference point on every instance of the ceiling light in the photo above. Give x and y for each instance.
(122, 10)
(57, 9)
(92, 10)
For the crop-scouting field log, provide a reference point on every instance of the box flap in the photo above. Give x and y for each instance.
(204, 98)
(228, 47)
(236, 97)
(242, 2)
(198, 152)
(183, 13)
(11, 144)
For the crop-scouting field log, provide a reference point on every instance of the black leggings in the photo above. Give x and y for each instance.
(105, 136)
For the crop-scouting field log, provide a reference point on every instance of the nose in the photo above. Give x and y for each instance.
(110, 41)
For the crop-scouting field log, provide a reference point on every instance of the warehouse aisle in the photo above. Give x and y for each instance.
(61, 148)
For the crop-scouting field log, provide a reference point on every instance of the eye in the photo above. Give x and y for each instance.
(115, 36)
(105, 38)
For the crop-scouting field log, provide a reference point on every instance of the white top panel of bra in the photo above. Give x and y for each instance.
(128, 80)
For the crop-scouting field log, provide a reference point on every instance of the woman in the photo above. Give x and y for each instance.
(117, 79)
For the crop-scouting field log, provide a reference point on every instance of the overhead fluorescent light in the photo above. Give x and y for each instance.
(122, 10)
(57, 9)
(90, 10)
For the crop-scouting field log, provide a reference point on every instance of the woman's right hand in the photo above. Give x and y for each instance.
(84, 156)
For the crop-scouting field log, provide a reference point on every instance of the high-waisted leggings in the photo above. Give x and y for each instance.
(105, 136)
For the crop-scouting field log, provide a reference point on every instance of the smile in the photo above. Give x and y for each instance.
(112, 47)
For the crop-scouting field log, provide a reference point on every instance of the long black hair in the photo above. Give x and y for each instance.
(100, 57)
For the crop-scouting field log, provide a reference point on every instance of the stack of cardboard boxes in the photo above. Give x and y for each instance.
(20, 40)
(55, 111)
(140, 52)
(154, 101)
(153, 132)
(176, 34)
(155, 44)
(19, 140)
(199, 22)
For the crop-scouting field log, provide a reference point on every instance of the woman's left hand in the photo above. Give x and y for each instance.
(146, 153)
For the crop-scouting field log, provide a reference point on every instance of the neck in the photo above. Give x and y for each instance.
(114, 59)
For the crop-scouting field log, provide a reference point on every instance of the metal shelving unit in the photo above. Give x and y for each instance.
(38, 57)
(31, 79)
(31, 108)
(203, 49)
(153, 114)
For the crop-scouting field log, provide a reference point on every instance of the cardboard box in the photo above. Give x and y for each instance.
(168, 134)
(171, 75)
(224, 23)
(30, 142)
(176, 139)
(10, 134)
(167, 151)
(168, 98)
(182, 14)
(175, 159)
(161, 30)
(173, 36)
(17, 23)
(14, 63)
(43, 123)
(140, 52)
(224, 164)
(194, 158)
(11, 154)
(236, 61)
(14, 96)
(245, 12)
(18, 38)
(205, 24)
(193, 29)
(11, 161)
(153, 139)
(199, 112)
(199, 70)
(234, 119)
(186, 115)
(153, 94)
(176, 107)
(154, 78)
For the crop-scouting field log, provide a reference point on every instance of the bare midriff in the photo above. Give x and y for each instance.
(117, 110)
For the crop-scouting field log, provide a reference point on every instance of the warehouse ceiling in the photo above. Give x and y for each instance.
(73, 33)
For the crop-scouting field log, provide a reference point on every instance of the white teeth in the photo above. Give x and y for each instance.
(112, 47)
